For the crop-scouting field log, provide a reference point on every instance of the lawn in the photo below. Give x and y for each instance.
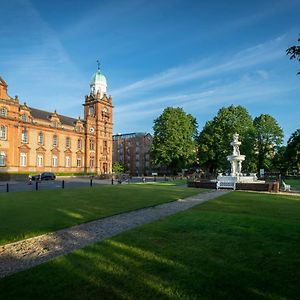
(239, 246)
(294, 183)
(27, 214)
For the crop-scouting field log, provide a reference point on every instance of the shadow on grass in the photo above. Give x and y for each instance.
(230, 248)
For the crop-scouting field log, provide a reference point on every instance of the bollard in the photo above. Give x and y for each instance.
(91, 182)
(112, 181)
(7, 188)
(36, 185)
(63, 184)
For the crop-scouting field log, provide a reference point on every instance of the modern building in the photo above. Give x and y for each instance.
(33, 140)
(133, 151)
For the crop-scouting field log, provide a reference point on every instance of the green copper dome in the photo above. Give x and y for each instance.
(98, 77)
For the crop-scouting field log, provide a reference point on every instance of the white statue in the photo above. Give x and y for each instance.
(235, 144)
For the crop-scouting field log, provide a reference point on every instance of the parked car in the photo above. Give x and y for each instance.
(44, 176)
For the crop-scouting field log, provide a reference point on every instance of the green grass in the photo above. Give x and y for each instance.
(27, 214)
(239, 246)
(294, 183)
(169, 182)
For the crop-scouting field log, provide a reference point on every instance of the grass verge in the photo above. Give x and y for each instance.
(239, 246)
(27, 214)
(294, 183)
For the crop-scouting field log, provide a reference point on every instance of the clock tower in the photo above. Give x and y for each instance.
(98, 127)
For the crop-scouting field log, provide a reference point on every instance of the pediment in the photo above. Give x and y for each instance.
(68, 151)
(79, 152)
(24, 147)
(55, 150)
(40, 149)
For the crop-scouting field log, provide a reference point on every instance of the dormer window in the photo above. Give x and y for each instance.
(3, 111)
(24, 117)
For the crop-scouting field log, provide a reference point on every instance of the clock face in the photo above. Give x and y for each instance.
(92, 129)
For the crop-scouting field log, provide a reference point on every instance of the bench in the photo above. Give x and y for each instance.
(286, 187)
(225, 185)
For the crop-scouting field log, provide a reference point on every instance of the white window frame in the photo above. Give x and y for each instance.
(23, 159)
(78, 161)
(3, 111)
(24, 117)
(2, 159)
(68, 160)
(40, 160)
(54, 161)
(24, 136)
(3, 132)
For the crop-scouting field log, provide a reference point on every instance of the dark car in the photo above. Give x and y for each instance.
(44, 176)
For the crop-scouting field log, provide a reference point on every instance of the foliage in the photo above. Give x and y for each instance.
(173, 140)
(268, 136)
(279, 162)
(293, 150)
(27, 214)
(294, 52)
(118, 167)
(214, 140)
(239, 246)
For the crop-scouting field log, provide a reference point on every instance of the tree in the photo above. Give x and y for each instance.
(214, 140)
(292, 153)
(173, 139)
(294, 52)
(268, 136)
(118, 167)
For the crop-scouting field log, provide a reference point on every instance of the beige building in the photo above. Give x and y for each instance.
(33, 140)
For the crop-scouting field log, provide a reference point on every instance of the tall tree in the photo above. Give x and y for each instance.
(294, 52)
(292, 153)
(268, 136)
(214, 140)
(173, 140)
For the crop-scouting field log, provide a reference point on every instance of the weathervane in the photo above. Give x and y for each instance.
(98, 63)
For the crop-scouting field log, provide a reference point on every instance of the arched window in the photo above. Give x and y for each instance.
(24, 136)
(3, 111)
(55, 141)
(3, 131)
(2, 159)
(23, 117)
(41, 138)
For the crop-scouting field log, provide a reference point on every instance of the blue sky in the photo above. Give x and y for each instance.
(198, 55)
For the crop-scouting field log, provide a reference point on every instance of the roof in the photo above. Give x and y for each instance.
(2, 81)
(98, 77)
(128, 135)
(44, 115)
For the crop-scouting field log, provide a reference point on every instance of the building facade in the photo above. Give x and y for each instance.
(33, 140)
(133, 151)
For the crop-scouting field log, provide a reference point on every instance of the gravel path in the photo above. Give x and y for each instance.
(25, 254)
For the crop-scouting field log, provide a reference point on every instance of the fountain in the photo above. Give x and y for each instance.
(236, 175)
